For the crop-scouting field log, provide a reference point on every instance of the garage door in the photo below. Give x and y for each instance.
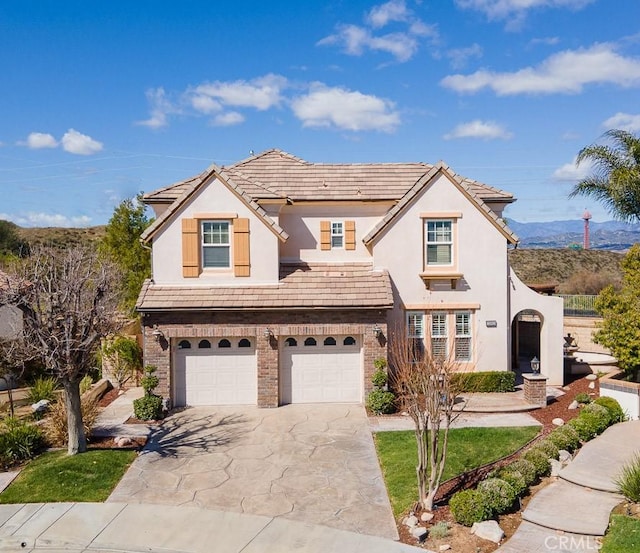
(216, 372)
(321, 369)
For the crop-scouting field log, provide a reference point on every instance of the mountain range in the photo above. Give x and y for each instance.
(608, 235)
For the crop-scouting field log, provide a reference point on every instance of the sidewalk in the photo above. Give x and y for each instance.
(111, 420)
(572, 513)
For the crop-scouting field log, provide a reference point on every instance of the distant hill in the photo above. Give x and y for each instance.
(609, 235)
(61, 237)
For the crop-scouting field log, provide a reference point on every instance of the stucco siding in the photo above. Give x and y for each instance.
(214, 197)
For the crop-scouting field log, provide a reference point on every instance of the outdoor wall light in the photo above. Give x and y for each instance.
(268, 334)
(535, 365)
(157, 333)
(376, 330)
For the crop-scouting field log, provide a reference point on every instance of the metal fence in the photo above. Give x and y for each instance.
(579, 306)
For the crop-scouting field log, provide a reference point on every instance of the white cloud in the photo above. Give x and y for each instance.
(204, 103)
(160, 108)
(460, 56)
(623, 121)
(261, 93)
(402, 45)
(75, 142)
(38, 140)
(39, 219)
(395, 10)
(515, 11)
(571, 172)
(565, 72)
(486, 130)
(228, 119)
(345, 109)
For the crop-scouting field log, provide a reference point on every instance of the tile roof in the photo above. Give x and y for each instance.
(301, 286)
(278, 174)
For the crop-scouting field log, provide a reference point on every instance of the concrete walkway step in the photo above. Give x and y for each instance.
(599, 461)
(570, 508)
(531, 538)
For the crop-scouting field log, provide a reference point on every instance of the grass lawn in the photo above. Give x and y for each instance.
(623, 535)
(468, 448)
(57, 477)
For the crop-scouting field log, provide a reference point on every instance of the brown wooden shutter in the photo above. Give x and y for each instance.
(349, 235)
(241, 260)
(325, 235)
(190, 248)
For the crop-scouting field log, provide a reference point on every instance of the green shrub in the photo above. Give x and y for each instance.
(147, 407)
(540, 461)
(498, 495)
(547, 447)
(524, 467)
(381, 402)
(628, 482)
(379, 379)
(149, 381)
(583, 398)
(565, 437)
(469, 506)
(616, 414)
(597, 415)
(19, 441)
(515, 479)
(585, 428)
(485, 381)
(439, 530)
(43, 388)
(85, 384)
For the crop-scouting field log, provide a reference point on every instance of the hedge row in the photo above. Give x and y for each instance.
(498, 493)
(485, 381)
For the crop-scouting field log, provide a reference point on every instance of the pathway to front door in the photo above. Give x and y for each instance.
(311, 463)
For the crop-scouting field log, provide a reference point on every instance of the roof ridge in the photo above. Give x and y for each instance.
(282, 153)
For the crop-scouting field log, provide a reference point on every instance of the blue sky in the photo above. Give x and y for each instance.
(100, 100)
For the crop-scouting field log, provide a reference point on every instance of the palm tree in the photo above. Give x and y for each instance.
(616, 175)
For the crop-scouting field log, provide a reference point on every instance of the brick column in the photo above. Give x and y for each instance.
(268, 363)
(535, 389)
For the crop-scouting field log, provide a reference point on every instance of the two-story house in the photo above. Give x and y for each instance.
(276, 280)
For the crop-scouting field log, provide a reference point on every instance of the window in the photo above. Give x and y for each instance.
(337, 235)
(439, 242)
(184, 344)
(330, 341)
(349, 341)
(439, 333)
(415, 331)
(290, 342)
(216, 245)
(310, 342)
(463, 336)
(224, 343)
(204, 344)
(244, 343)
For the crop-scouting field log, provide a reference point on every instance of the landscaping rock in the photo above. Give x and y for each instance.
(419, 532)
(558, 421)
(592, 385)
(123, 441)
(40, 406)
(444, 547)
(556, 467)
(564, 456)
(591, 377)
(426, 517)
(573, 405)
(411, 521)
(488, 530)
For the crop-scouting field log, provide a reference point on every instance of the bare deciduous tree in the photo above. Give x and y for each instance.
(69, 302)
(426, 390)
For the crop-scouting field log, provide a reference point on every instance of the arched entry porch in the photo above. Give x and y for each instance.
(526, 339)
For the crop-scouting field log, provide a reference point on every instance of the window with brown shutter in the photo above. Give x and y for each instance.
(241, 258)
(190, 248)
(325, 235)
(349, 235)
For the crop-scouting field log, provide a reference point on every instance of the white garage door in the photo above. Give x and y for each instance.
(321, 369)
(216, 372)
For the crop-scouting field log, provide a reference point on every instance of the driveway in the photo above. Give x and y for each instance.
(311, 463)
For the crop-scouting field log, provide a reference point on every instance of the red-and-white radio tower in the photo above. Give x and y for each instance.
(585, 217)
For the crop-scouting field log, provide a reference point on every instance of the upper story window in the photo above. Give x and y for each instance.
(337, 235)
(439, 242)
(216, 244)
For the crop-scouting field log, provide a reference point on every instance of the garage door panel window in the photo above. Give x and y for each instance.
(224, 343)
(290, 342)
(310, 342)
(244, 343)
(204, 344)
(184, 344)
(330, 341)
(349, 341)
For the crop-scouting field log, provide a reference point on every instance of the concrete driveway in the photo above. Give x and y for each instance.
(311, 463)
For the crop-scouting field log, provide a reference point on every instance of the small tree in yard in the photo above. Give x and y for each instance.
(123, 357)
(620, 310)
(69, 302)
(426, 389)
(149, 406)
